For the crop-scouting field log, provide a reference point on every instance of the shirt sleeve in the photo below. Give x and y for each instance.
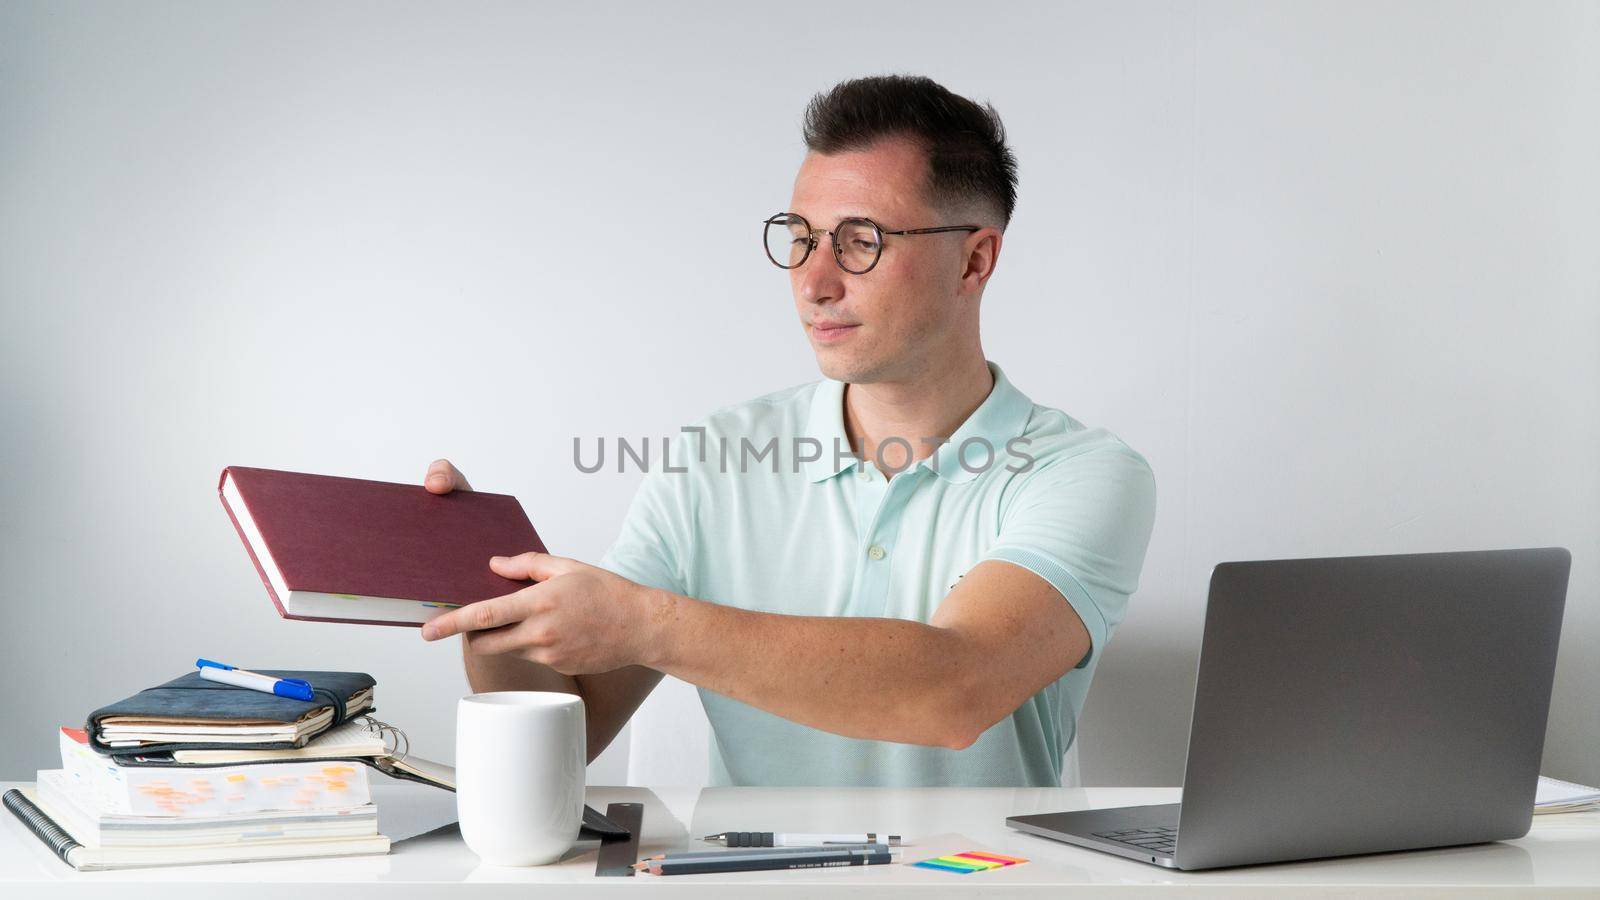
(1083, 524)
(656, 540)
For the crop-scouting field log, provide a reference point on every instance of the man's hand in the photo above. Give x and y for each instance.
(442, 478)
(497, 658)
(578, 619)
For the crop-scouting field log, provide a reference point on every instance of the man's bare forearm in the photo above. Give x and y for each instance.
(870, 678)
(999, 637)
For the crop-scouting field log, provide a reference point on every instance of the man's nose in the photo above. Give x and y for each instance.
(820, 279)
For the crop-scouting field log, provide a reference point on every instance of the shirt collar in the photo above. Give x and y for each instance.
(999, 418)
(826, 427)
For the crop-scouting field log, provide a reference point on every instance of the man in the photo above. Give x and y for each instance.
(936, 627)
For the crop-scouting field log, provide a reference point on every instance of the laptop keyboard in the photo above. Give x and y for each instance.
(1155, 840)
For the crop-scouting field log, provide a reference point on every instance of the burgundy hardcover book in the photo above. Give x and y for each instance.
(333, 549)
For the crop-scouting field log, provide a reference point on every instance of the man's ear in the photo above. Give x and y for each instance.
(982, 252)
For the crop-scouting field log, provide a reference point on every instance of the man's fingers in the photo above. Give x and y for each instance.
(473, 617)
(538, 566)
(443, 477)
(493, 641)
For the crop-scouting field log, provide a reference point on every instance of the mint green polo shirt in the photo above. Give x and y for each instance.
(761, 506)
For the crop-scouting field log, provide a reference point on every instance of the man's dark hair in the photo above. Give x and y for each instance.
(968, 160)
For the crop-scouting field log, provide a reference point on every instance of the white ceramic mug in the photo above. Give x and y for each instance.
(520, 759)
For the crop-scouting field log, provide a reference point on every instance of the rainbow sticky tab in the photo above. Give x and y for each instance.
(969, 862)
(992, 857)
(947, 866)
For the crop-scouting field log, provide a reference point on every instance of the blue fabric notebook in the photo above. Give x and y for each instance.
(199, 714)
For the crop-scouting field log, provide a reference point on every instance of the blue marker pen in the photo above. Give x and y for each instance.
(293, 688)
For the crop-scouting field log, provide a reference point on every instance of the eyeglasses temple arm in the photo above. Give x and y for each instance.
(937, 230)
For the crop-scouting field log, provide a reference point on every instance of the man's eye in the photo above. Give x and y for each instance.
(867, 245)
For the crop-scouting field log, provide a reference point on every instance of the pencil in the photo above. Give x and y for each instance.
(742, 863)
(759, 851)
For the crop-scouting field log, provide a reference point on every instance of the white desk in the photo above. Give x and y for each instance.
(1560, 855)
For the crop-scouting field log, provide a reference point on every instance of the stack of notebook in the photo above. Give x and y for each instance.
(194, 771)
(197, 771)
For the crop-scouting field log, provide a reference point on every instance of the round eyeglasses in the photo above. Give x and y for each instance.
(857, 242)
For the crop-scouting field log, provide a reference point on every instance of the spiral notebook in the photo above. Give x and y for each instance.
(37, 816)
(365, 739)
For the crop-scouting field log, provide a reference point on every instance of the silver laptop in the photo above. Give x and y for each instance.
(1355, 705)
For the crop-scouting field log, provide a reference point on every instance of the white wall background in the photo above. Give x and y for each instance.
(1334, 269)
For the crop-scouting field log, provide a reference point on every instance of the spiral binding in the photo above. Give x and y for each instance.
(40, 823)
(402, 743)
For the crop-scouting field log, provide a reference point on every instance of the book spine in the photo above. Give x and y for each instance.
(260, 571)
(42, 826)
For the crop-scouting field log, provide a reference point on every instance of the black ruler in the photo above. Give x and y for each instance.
(618, 852)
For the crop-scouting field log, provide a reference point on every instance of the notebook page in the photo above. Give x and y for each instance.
(1556, 791)
(350, 739)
